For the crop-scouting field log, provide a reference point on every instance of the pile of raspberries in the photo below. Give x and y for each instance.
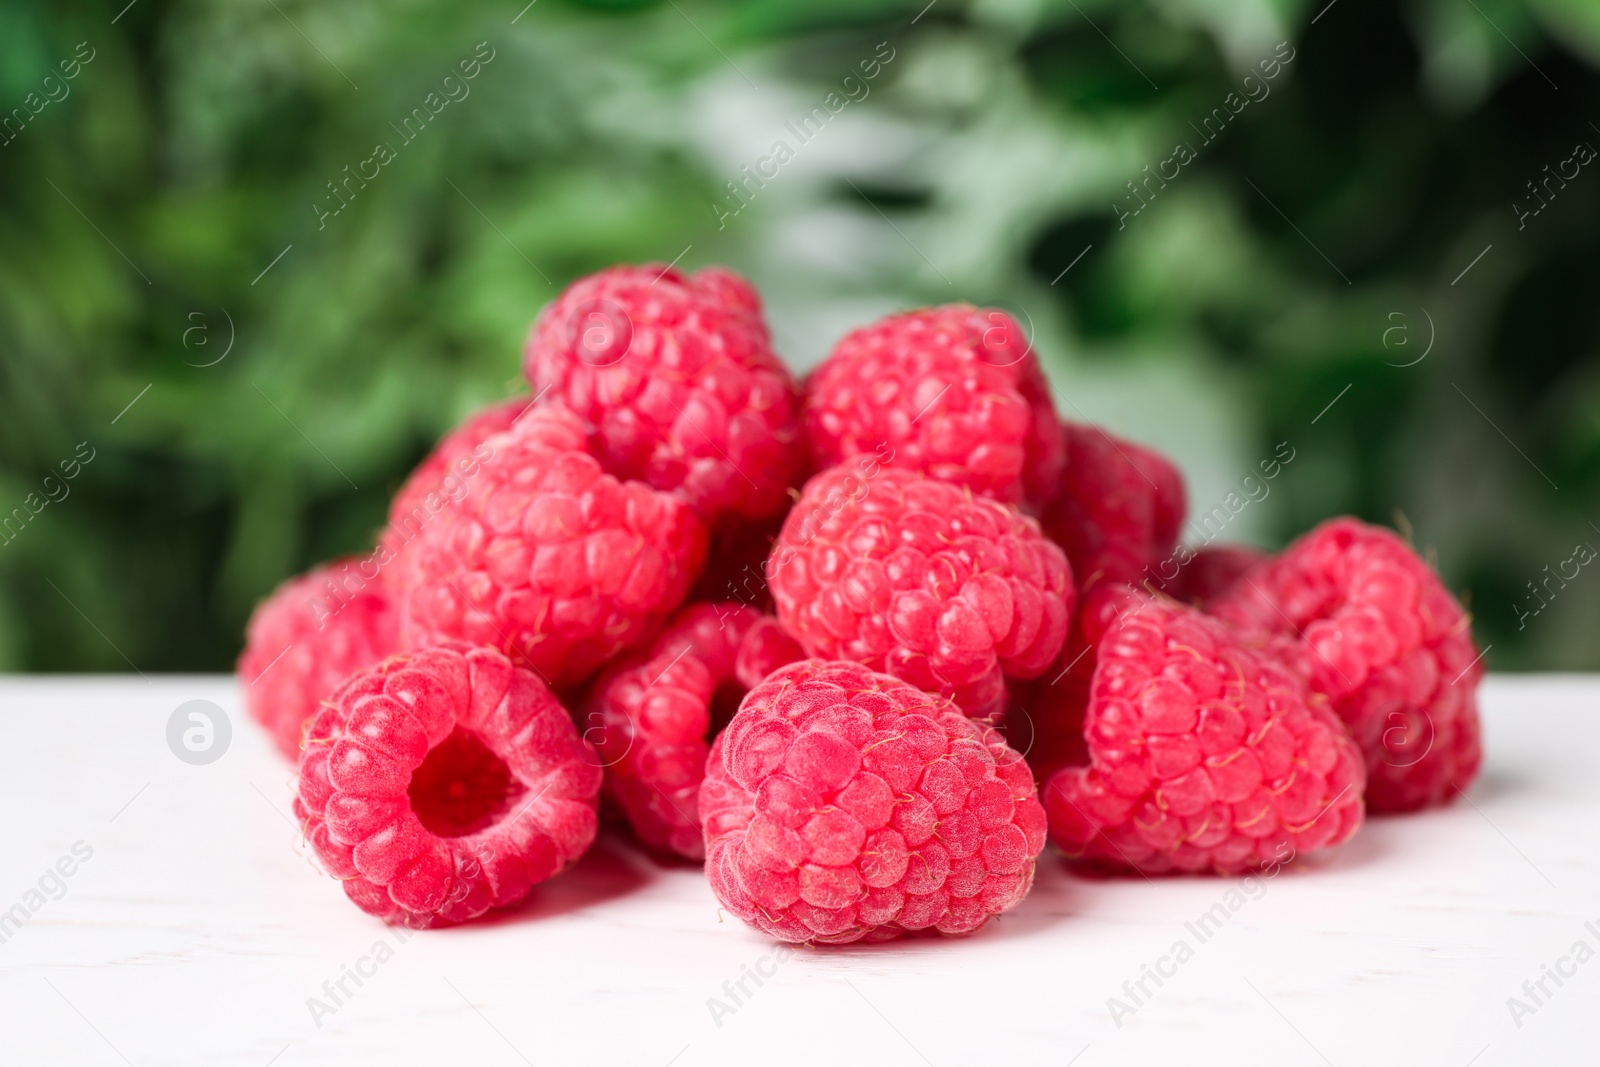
(858, 644)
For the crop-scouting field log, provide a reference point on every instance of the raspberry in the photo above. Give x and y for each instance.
(651, 715)
(949, 591)
(442, 783)
(1118, 510)
(1210, 572)
(1203, 754)
(678, 378)
(765, 648)
(1377, 632)
(442, 476)
(1044, 717)
(546, 557)
(954, 392)
(311, 634)
(841, 804)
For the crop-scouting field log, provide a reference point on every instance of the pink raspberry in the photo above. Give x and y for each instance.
(1203, 754)
(442, 783)
(1044, 718)
(1210, 572)
(1118, 510)
(546, 557)
(920, 578)
(841, 804)
(677, 376)
(1377, 632)
(311, 634)
(766, 647)
(442, 476)
(651, 716)
(954, 392)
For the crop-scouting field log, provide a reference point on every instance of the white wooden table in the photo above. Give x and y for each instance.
(197, 930)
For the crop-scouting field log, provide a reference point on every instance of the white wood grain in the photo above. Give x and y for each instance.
(198, 929)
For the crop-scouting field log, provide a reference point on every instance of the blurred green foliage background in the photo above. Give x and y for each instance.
(252, 378)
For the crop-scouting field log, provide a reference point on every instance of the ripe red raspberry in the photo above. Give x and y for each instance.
(651, 716)
(1203, 754)
(1118, 509)
(954, 392)
(1044, 717)
(1377, 632)
(677, 376)
(843, 804)
(311, 634)
(442, 476)
(949, 591)
(1210, 572)
(766, 647)
(443, 783)
(547, 558)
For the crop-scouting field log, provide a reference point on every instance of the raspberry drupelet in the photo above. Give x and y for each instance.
(954, 392)
(546, 557)
(312, 633)
(676, 375)
(1374, 629)
(841, 804)
(652, 715)
(1118, 509)
(445, 782)
(1203, 754)
(951, 591)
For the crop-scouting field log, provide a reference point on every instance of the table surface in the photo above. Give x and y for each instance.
(195, 928)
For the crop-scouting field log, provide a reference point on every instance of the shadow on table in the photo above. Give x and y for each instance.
(1494, 786)
(613, 867)
(1369, 845)
(617, 865)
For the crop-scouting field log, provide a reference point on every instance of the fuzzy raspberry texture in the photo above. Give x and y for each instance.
(440, 784)
(1377, 632)
(841, 804)
(651, 717)
(677, 376)
(441, 478)
(954, 392)
(546, 557)
(311, 634)
(1118, 510)
(1203, 576)
(921, 578)
(1203, 754)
